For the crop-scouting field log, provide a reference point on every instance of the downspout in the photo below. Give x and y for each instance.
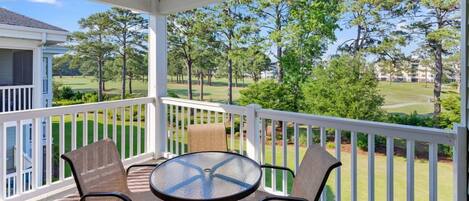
(43, 39)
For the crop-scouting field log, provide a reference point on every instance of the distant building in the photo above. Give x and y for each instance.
(413, 72)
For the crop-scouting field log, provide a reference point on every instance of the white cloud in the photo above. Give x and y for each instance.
(52, 2)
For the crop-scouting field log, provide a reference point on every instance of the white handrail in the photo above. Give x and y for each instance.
(217, 107)
(16, 87)
(440, 136)
(53, 111)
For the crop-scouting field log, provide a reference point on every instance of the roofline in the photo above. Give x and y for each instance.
(23, 28)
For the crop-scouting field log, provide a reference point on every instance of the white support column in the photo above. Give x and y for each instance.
(252, 146)
(37, 77)
(157, 72)
(460, 149)
(3, 166)
(460, 164)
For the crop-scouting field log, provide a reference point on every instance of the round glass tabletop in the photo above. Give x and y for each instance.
(206, 176)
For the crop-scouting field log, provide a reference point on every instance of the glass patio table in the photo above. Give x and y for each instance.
(206, 176)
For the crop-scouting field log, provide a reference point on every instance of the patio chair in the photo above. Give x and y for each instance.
(311, 176)
(206, 137)
(100, 175)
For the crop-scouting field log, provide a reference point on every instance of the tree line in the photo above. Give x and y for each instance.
(244, 38)
(111, 45)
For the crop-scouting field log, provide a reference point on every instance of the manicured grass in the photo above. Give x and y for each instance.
(409, 97)
(399, 97)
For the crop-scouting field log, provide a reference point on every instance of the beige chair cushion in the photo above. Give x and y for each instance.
(207, 137)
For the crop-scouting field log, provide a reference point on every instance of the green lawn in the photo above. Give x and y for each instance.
(399, 97)
(408, 97)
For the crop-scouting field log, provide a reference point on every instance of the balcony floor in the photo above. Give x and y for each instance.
(138, 181)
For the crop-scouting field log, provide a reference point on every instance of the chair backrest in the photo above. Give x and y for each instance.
(313, 172)
(206, 137)
(97, 168)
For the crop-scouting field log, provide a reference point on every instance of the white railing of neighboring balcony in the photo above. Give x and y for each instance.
(15, 98)
(64, 128)
(254, 132)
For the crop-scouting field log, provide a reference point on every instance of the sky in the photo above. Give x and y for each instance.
(66, 14)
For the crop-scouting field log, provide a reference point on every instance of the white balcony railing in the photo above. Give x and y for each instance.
(274, 137)
(15, 98)
(268, 136)
(67, 128)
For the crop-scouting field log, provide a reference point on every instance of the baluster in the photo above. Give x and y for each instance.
(285, 154)
(139, 129)
(14, 100)
(323, 139)
(74, 131)
(338, 177)
(371, 167)
(171, 130)
(23, 98)
(209, 118)
(296, 134)
(95, 126)
(201, 116)
(145, 130)
(85, 128)
(353, 173)
(31, 98)
(182, 129)
(433, 171)
(48, 150)
(241, 134)
(36, 146)
(410, 154)
(114, 125)
(390, 168)
(131, 131)
(19, 158)
(232, 132)
(105, 124)
(122, 133)
(263, 159)
(176, 130)
(61, 146)
(274, 156)
(309, 135)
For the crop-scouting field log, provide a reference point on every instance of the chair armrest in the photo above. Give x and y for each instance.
(289, 198)
(119, 195)
(140, 165)
(279, 168)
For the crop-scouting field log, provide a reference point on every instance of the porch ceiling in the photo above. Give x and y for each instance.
(163, 7)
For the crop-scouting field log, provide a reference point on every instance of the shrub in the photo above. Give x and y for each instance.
(268, 94)
(344, 88)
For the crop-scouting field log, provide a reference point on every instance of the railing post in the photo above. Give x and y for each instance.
(2, 162)
(252, 149)
(157, 72)
(460, 164)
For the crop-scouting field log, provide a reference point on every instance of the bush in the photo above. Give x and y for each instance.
(66, 102)
(344, 88)
(268, 94)
(90, 97)
(451, 113)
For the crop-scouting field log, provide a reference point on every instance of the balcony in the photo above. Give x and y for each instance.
(249, 132)
(16, 98)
